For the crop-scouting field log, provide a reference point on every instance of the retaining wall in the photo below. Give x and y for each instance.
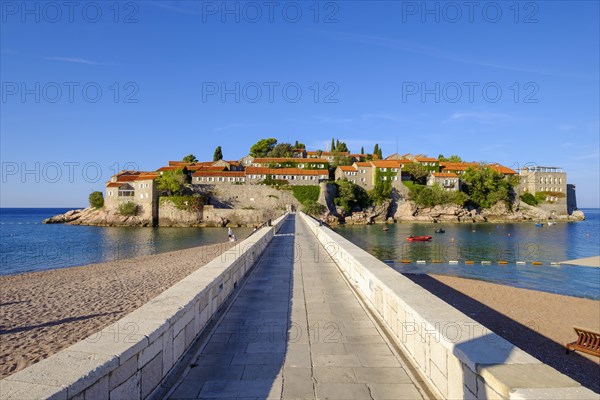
(458, 357)
(130, 358)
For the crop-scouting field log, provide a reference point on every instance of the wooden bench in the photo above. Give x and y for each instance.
(587, 342)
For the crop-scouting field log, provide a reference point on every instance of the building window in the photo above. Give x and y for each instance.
(383, 169)
(110, 192)
(394, 169)
(141, 195)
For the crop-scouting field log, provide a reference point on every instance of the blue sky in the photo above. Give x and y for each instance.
(103, 86)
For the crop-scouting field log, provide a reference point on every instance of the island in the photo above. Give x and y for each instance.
(335, 185)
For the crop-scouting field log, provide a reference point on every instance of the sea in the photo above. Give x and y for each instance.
(28, 245)
(522, 242)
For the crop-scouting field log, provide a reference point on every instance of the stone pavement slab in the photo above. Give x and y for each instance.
(296, 331)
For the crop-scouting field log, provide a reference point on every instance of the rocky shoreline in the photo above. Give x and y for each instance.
(407, 211)
(388, 212)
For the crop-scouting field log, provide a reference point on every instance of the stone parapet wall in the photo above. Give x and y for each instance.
(457, 357)
(132, 357)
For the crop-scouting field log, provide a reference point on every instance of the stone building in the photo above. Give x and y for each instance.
(542, 179)
(448, 181)
(137, 187)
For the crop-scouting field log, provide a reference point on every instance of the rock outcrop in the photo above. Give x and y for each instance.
(97, 217)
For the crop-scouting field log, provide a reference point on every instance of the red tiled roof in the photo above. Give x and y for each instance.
(295, 160)
(128, 176)
(114, 184)
(204, 172)
(425, 159)
(347, 168)
(445, 175)
(386, 163)
(363, 164)
(502, 169)
(284, 171)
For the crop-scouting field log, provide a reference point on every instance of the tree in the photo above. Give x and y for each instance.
(377, 151)
(171, 182)
(341, 147)
(319, 152)
(486, 187)
(351, 196)
(382, 190)
(341, 159)
(299, 145)
(190, 158)
(454, 158)
(442, 158)
(362, 150)
(282, 150)
(218, 155)
(96, 199)
(263, 147)
(417, 172)
(332, 145)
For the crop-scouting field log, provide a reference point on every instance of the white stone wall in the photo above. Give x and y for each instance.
(458, 357)
(130, 358)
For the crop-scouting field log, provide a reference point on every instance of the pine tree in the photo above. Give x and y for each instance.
(376, 149)
(218, 154)
(332, 145)
(362, 150)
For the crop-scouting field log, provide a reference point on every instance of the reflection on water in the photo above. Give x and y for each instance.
(28, 245)
(493, 242)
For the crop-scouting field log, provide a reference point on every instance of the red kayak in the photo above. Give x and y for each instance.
(418, 238)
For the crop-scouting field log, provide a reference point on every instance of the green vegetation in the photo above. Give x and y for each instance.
(218, 155)
(377, 151)
(418, 172)
(96, 199)
(263, 147)
(186, 203)
(486, 187)
(306, 193)
(351, 196)
(171, 182)
(528, 198)
(282, 150)
(429, 196)
(362, 150)
(128, 209)
(452, 158)
(382, 190)
(299, 145)
(308, 196)
(269, 181)
(340, 159)
(313, 208)
(190, 158)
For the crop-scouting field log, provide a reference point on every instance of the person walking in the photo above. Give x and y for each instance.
(230, 234)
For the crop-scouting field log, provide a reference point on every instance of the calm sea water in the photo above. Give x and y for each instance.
(491, 242)
(28, 245)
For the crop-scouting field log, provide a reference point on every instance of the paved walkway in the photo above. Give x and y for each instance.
(296, 331)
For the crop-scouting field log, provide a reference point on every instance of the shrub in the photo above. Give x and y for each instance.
(486, 187)
(306, 193)
(351, 196)
(313, 208)
(186, 203)
(530, 199)
(429, 196)
(96, 199)
(382, 190)
(128, 209)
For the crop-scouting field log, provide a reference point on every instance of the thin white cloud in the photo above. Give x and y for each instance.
(73, 60)
(480, 117)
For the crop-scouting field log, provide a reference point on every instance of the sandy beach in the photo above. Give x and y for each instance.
(44, 312)
(537, 322)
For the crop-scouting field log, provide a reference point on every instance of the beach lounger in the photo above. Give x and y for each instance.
(587, 342)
